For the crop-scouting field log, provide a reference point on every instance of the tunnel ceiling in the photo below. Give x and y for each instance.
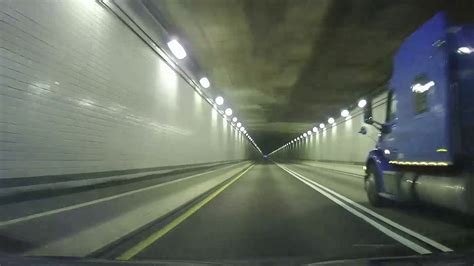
(285, 65)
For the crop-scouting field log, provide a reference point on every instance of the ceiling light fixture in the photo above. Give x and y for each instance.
(177, 49)
(204, 82)
(219, 100)
(345, 113)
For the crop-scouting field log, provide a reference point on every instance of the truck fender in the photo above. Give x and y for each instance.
(378, 160)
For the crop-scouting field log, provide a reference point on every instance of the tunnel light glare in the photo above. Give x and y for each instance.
(239, 124)
(242, 129)
(321, 125)
(234, 119)
(345, 113)
(305, 135)
(204, 82)
(309, 132)
(465, 50)
(315, 129)
(362, 103)
(219, 100)
(420, 88)
(177, 49)
(331, 120)
(228, 112)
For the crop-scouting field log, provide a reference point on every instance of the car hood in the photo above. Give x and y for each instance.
(433, 259)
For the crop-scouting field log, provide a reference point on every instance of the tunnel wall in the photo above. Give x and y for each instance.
(80, 93)
(341, 142)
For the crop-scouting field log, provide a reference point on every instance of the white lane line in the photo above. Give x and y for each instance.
(400, 227)
(84, 204)
(408, 243)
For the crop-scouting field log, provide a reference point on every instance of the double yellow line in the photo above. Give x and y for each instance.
(132, 252)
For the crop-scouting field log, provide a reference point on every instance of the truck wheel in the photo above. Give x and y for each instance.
(371, 187)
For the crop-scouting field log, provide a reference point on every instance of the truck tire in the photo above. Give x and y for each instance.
(371, 187)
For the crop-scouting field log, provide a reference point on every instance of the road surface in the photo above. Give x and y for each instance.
(262, 211)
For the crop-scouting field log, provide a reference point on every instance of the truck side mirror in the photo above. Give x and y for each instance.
(363, 131)
(368, 113)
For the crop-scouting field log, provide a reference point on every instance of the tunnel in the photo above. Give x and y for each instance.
(236, 132)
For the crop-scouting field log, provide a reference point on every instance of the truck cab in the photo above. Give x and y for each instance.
(426, 142)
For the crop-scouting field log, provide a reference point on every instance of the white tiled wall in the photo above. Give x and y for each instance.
(342, 142)
(80, 92)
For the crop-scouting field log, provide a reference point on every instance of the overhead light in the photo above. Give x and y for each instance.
(239, 124)
(345, 113)
(242, 129)
(315, 129)
(362, 103)
(219, 100)
(309, 132)
(228, 112)
(321, 125)
(465, 50)
(177, 49)
(331, 120)
(204, 82)
(234, 119)
(305, 135)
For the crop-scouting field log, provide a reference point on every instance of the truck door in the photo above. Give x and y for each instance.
(418, 125)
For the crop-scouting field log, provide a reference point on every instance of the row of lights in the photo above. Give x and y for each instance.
(344, 113)
(178, 51)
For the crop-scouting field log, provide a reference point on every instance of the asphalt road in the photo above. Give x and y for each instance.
(448, 228)
(268, 213)
(280, 212)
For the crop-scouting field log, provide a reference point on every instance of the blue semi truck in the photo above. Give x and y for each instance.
(425, 150)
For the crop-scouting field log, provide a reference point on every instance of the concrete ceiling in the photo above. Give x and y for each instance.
(285, 65)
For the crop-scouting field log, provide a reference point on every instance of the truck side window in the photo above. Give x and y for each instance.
(420, 88)
(391, 106)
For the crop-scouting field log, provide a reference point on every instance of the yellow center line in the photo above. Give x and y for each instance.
(132, 252)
